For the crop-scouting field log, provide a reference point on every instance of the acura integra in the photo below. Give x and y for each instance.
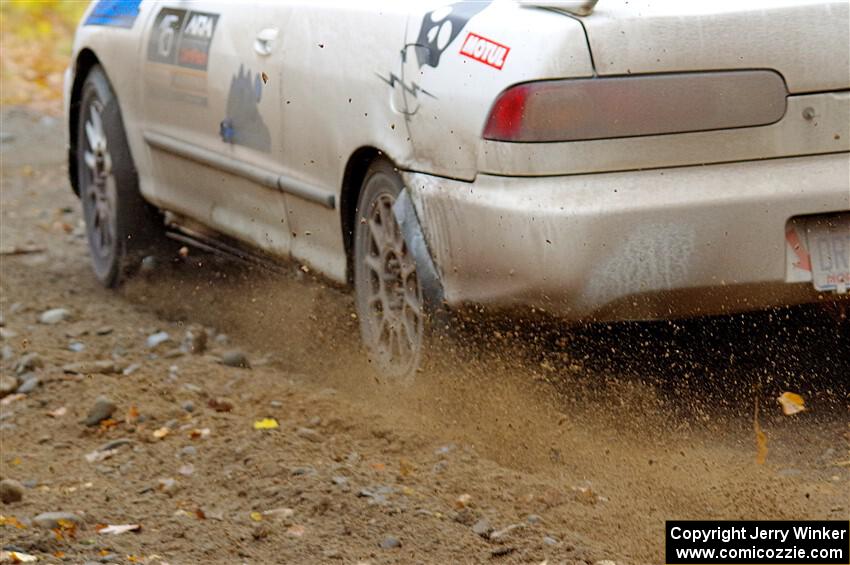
(610, 161)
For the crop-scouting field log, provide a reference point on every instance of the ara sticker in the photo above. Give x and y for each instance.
(485, 50)
(182, 38)
(114, 13)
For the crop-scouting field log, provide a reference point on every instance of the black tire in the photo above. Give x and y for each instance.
(395, 326)
(119, 222)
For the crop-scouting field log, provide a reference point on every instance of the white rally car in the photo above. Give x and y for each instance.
(626, 160)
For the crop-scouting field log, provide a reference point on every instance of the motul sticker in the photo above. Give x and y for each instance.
(485, 50)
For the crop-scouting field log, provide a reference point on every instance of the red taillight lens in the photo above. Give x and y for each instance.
(505, 121)
(610, 107)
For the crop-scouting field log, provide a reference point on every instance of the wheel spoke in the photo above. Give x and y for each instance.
(97, 123)
(378, 234)
(411, 300)
(92, 136)
(91, 161)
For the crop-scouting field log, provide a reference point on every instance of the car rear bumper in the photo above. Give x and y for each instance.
(630, 245)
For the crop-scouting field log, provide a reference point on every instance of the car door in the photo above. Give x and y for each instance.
(211, 85)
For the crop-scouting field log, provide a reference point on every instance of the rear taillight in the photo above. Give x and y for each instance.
(600, 108)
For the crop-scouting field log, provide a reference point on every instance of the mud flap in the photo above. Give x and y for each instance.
(432, 288)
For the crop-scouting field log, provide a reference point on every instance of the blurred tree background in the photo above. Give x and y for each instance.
(35, 44)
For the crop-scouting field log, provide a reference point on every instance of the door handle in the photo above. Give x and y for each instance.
(264, 44)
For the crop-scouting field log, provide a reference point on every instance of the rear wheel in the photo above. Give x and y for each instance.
(394, 324)
(118, 221)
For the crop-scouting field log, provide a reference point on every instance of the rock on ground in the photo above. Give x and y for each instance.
(54, 316)
(51, 520)
(11, 491)
(103, 408)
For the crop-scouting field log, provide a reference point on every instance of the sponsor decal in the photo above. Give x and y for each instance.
(182, 38)
(244, 124)
(485, 50)
(440, 27)
(114, 13)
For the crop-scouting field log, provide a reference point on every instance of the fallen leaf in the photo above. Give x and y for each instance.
(108, 423)
(256, 516)
(792, 403)
(11, 521)
(65, 529)
(266, 424)
(161, 433)
(119, 529)
(378, 466)
(199, 514)
(463, 501)
(16, 557)
(199, 433)
(132, 415)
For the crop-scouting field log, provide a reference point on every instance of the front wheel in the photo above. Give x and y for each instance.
(118, 220)
(394, 322)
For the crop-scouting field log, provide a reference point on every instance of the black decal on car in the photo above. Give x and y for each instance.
(244, 125)
(440, 27)
(410, 90)
(182, 38)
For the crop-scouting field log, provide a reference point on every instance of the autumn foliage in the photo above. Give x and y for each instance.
(35, 43)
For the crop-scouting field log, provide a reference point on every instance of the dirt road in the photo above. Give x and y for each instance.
(535, 444)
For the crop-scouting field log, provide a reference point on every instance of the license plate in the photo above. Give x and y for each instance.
(829, 249)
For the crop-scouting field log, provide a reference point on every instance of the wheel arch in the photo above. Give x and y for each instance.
(352, 181)
(86, 60)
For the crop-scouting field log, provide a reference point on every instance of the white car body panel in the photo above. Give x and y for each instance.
(805, 40)
(304, 86)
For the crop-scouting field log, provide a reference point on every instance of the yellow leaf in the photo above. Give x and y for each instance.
(11, 521)
(791, 403)
(266, 424)
(256, 516)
